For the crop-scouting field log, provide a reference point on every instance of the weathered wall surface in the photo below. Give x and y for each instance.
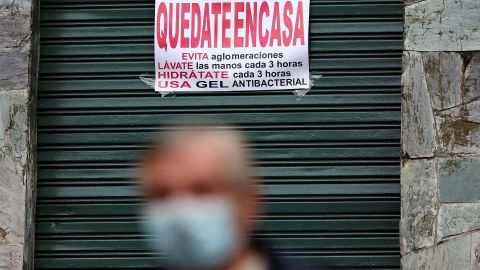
(440, 225)
(17, 133)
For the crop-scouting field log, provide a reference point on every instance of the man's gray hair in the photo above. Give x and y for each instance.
(229, 140)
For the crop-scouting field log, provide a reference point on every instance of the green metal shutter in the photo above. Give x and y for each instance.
(330, 161)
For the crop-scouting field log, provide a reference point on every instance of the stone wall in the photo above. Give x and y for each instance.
(440, 224)
(18, 69)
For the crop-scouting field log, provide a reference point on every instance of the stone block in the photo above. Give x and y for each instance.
(419, 204)
(455, 254)
(459, 179)
(15, 49)
(15, 33)
(457, 136)
(16, 75)
(442, 25)
(15, 161)
(418, 129)
(472, 79)
(457, 218)
(14, 125)
(443, 72)
(410, 2)
(12, 200)
(16, 5)
(472, 111)
(11, 257)
(476, 253)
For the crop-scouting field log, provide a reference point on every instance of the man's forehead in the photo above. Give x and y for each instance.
(201, 156)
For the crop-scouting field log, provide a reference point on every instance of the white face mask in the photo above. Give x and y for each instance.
(193, 233)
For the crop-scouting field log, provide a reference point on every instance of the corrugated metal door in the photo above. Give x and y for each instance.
(330, 162)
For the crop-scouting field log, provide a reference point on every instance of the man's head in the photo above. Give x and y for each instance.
(200, 194)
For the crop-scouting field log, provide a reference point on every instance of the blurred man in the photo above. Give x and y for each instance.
(201, 198)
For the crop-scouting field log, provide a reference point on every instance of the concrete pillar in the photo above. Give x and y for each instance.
(18, 80)
(440, 176)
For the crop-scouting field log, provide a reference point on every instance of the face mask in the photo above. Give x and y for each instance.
(193, 233)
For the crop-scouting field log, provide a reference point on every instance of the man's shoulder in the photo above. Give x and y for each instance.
(278, 262)
(282, 263)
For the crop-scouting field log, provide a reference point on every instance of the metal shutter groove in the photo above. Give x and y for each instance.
(329, 162)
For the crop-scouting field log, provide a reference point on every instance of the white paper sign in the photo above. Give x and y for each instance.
(225, 45)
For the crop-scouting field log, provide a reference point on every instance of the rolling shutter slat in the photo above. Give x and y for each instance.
(329, 162)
